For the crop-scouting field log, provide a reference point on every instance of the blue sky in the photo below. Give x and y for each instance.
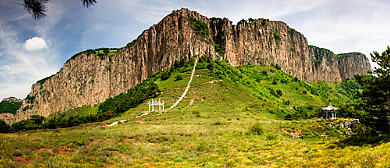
(31, 50)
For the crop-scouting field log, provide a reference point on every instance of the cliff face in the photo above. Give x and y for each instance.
(352, 63)
(11, 99)
(89, 79)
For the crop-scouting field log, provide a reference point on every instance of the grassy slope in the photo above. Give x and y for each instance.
(208, 128)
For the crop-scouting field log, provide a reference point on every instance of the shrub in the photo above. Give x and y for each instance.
(271, 136)
(287, 103)
(220, 51)
(256, 129)
(279, 92)
(4, 127)
(277, 67)
(217, 123)
(30, 98)
(196, 113)
(277, 37)
(210, 66)
(178, 77)
(78, 141)
(165, 75)
(200, 28)
(272, 91)
(264, 73)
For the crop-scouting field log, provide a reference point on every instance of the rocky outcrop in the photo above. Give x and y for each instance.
(88, 79)
(352, 63)
(11, 99)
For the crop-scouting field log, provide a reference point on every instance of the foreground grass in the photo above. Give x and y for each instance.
(158, 141)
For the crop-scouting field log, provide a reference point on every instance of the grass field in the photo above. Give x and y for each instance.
(229, 118)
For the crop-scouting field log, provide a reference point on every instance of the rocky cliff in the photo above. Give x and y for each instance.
(88, 79)
(351, 64)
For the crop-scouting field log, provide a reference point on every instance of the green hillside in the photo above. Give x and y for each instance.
(9, 107)
(248, 116)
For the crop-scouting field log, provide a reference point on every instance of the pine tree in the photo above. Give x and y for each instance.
(376, 93)
(37, 8)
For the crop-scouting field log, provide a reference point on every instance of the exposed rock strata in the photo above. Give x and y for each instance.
(88, 79)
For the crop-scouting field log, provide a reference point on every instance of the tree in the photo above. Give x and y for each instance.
(37, 8)
(37, 119)
(376, 93)
(4, 127)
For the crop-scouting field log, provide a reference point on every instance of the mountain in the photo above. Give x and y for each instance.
(90, 77)
(8, 107)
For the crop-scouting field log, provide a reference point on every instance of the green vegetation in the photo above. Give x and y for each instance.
(319, 54)
(200, 28)
(220, 51)
(263, 21)
(30, 98)
(320, 49)
(276, 37)
(376, 94)
(219, 39)
(178, 77)
(124, 101)
(342, 55)
(42, 81)
(166, 75)
(4, 127)
(256, 129)
(9, 107)
(101, 52)
(229, 118)
(317, 62)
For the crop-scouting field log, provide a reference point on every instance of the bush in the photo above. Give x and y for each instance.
(271, 136)
(277, 37)
(274, 82)
(220, 51)
(197, 113)
(210, 66)
(4, 127)
(256, 129)
(178, 77)
(272, 91)
(78, 141)
(279, 92)
(165, 75)
(264, 73)
(277, 67)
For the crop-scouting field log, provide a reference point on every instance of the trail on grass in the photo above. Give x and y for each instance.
(188, 86)
(177, 102)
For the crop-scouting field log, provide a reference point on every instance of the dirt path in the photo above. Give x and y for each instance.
(188, 86)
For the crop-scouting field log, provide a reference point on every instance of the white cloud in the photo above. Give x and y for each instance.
(20, 68)
(35, 44)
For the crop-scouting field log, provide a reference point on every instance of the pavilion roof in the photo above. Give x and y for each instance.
(330, 107)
